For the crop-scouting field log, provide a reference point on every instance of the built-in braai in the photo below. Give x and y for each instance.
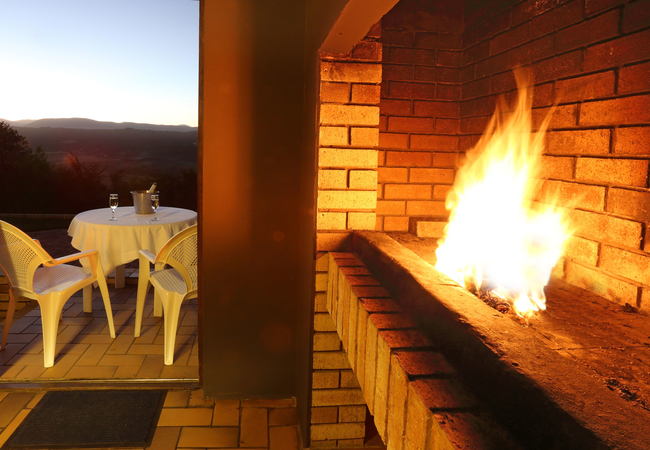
(404, 111)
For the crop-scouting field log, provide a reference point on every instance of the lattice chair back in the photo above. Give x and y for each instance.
(181, 253)
(20, 255)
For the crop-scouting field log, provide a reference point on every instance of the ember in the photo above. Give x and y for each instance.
(497, 238)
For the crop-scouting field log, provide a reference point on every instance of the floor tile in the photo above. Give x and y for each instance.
(254, 427)
(226, 413)
(182, 417)
(177, 398)
(283, 438)
(208, 437)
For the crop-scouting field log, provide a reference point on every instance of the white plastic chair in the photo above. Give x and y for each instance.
(34, 274)
(173, 285)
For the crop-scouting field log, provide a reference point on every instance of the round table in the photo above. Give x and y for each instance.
(120, 241)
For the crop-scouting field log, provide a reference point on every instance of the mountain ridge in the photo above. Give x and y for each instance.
(90, 124)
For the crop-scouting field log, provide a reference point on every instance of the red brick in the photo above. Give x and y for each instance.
(476, 53)
(543, 24)
(441, 41)
(373, 305)
(367, 50)
(564, 116)
(569, 13)
(396, 223)
(634, 78)
(468, 73)
(633, 204)
(406, 339)
(434, 142)
(334, 92)
(443, 394)
(602, 227)
(585, 87)
(450, 59)
(408, 159)
(626, 172)
(324, 415)
(425, 208)
(421, 363)
(437, 74)
(397, 72)
(326, 242)
(634, 266)
(532, 51)
(401, 55)
(476, 88)
(407, 191)
(397, 394)
(497, 24)
(594, 6)
(351, 72)
(395, 107)
(617, 111)
(365, 93)
(399, 89)
(450, 41)
(440, 192)
(494, 64)
(446, 92)
(559, 66)
(619, 51)
(531, 8)
(582, 250)
(478, 106)
(632, 141)
(502, 82)
(605, 285)
(587, 32)
(431, 176)
(473, 124)
(411, 124)
(511, 38)
(447, 126)
(636, 15)
(557, 168)
(467, 142)
(393, 140)
(395, 37)
(589, 197)
(391, 207)
(392, 174)
(543, 95)
(435, 109)
(581, 142)
(445, 159)
(392, 321)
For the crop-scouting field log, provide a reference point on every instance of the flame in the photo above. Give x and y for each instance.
(497, 240)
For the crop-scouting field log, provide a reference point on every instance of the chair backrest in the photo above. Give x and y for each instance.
(20, 255)
(180, 252)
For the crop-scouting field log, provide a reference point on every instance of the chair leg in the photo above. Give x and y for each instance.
(10, 316)
(51, 308)
(171, 308)
(143, 289)
(107, 304)
(88, 298)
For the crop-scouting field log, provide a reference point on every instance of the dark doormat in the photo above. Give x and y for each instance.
(103, 418)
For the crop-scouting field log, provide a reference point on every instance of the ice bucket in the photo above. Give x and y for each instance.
(142, 202)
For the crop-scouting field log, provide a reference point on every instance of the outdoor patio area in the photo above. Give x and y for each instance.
(85, 350)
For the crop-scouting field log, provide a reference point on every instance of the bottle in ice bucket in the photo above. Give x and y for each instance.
(152, 189)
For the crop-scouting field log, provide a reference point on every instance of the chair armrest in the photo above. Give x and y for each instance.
(147, 254)
(38, 242)
(69, 258)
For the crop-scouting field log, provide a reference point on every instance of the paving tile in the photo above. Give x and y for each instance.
(34, 401)
(197, 398)
(146, 349)
(185, 417)
(7, 372)
(3, 394)
(126, 372)
(177, 398)
(94, 339)
(11, 405)
(121, 360)
(69, 333)
(148, 333)
(182, 354)
(283, 438)
(151, 367)
(179, 372)
(165, 438)
(11, 427)
(254, 427)
(193, 361)
(74, 349)
(208, 437)
(95, 326)
(93, 354)
(269, 403)
(91, 372)
(226, 413)
(61, 366)
(26, 359)
(120, 344)
(283, 416)
(22, 338)
(9, 352)
(32, 371)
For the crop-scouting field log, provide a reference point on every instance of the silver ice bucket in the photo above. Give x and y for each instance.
(142, 202)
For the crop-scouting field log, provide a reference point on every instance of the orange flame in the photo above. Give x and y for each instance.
(495, 239)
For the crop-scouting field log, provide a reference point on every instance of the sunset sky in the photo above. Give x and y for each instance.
(108, 60)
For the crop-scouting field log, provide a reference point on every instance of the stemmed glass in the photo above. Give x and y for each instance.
(155, 203)
(113, 201)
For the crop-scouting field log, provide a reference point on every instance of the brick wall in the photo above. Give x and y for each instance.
(348, 136)
(593, 57)
(338, 410)
(420, 124)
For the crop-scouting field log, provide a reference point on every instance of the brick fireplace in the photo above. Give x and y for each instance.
(399, 111)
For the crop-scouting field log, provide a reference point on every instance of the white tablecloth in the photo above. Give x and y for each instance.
(120, 241)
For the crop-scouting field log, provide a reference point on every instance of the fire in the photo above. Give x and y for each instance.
(498, 240)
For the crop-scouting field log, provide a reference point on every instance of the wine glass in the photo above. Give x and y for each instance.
(155, 203)
(113, 201)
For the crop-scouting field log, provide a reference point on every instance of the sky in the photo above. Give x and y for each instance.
(107, 60)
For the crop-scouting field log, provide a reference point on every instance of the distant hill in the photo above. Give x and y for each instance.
(89, 124)
(135, 152)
